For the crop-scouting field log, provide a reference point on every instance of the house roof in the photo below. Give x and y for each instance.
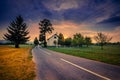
(52, 36)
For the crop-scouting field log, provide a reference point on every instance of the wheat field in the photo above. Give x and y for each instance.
(16, 63)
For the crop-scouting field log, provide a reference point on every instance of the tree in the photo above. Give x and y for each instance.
(78, 40)
(102, 39)
(41, 38)
(17, 32)
(68, 41)
(60, 39)
(45, 26)
(36, 42)
(87, 41)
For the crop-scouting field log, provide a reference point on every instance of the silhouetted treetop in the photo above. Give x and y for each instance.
(45, 26)
(102, 39)
(17, 32)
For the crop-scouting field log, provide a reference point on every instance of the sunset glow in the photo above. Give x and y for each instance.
(67, 16)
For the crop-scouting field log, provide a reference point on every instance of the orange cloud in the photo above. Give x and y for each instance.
(115, 34)
(2, 32)
(34, 30)
(69, 29)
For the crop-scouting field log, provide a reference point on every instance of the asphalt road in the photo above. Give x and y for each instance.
(52, 65)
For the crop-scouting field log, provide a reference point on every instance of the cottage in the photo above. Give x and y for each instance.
(53, 40)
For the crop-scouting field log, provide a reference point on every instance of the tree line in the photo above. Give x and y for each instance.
(77, 40)
(17, 33)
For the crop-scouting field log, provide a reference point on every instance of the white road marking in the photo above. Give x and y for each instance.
(85, 69)
(45, 52)
(42, 50)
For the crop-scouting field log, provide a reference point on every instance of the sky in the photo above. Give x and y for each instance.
(87, 17)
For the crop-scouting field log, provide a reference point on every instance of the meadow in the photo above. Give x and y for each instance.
(110, 54)
(16, 63)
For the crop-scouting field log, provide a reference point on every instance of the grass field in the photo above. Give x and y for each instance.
(110, 54)
(16, 63)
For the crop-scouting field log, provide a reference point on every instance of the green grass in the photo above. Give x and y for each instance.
(110, 54)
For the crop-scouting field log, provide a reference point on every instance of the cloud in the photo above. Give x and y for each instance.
(34, 30)
(114, 34)
(2, 32)
(78, 11)
(67, 16)
(59, 5)
(69, 28)
(111, 20)
(29, 9)
(110, 23)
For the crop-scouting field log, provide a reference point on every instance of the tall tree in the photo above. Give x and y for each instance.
(41, 37)
(36, 42)
(87, 41)
(61, 39)
(78, 40)
(17, 32)
(45, 26)
(68, 42)
(102, 39)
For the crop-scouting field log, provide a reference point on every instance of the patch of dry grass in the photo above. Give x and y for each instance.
(16, 64)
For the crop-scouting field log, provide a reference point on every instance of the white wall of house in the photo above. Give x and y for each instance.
(53, 40)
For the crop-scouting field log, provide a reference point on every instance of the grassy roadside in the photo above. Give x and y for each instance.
(16, 64)
(110, 54)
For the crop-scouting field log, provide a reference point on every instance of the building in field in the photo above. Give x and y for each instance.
(53, 40)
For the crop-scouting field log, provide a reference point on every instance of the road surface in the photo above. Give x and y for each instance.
(52, 65)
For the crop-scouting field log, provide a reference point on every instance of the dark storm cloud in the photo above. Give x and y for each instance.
(3, 10)
(77, 11)
(91, 11)
(109, 24)
(29, 9)
(69, 16)
(111, 20)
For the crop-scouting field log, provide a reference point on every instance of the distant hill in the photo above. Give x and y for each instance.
(4, 42)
